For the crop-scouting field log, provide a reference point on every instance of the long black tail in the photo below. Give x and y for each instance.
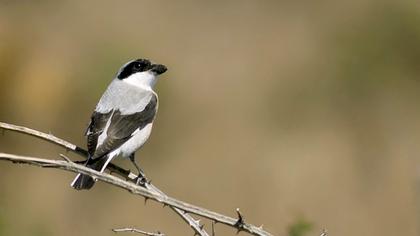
(83, 181)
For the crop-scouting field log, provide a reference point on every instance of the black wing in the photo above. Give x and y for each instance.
(122, 127)
(96, 127)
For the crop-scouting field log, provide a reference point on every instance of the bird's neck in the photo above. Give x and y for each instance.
(144, 80)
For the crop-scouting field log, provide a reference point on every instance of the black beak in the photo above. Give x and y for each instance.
(158, 69)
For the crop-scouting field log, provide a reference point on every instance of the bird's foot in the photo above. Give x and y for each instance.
(141, 180)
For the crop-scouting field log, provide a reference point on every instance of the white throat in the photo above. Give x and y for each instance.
(145, 80)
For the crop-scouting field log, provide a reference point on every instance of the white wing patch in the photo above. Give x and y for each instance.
(103, 135)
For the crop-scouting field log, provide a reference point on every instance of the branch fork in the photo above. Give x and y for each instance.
(148, 191)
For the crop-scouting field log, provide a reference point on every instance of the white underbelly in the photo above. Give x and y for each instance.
(136, 141)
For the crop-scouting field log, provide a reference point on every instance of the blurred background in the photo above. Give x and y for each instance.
(302, 113)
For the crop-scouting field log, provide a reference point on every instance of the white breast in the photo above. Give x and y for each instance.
(136, 141)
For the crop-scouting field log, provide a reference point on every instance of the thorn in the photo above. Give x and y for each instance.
(261, 227)
(201, 226)
(164, 205)
(240, 222)
(145, 200)
(197, 222)
(213, 232)
(65, 158)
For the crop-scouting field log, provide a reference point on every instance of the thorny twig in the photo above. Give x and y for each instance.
(135, 230)
(111, 167)
(67, 145)
(150, 192)
(195, 224)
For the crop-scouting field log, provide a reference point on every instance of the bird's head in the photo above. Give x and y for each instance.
(140, 72)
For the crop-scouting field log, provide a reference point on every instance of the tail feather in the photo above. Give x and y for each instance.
(83, 181)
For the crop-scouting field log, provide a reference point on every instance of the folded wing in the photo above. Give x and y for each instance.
(108, 131)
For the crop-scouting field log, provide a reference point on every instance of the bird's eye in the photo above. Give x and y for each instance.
(137, 65)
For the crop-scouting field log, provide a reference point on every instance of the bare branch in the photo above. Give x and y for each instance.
(134, 230)
(113, 168)
(185, 216)
(48, 137)
(150, 192)
(67, 145)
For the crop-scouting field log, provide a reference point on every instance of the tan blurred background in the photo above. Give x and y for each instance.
(302, 113)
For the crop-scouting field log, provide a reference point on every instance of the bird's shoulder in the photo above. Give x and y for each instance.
(124, 97)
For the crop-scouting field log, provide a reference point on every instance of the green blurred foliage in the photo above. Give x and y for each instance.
(300, 228)
(2, 225)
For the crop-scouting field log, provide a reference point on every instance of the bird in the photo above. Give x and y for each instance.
(123, 118)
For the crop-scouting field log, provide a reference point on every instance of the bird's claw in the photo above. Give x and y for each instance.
(141, 180)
